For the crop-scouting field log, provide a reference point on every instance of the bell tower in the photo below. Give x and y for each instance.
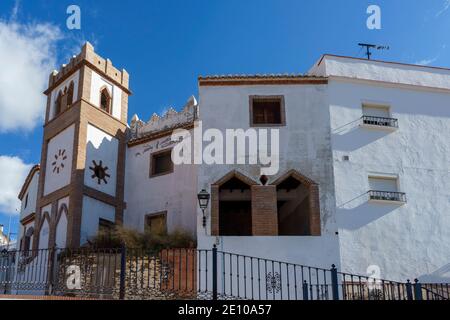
(83, 151)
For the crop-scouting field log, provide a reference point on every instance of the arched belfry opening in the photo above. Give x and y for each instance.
(231, 212)
(105, 100)
(297, 205)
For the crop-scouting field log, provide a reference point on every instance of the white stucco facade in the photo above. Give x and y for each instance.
(59, 165)
(172, 193)
(93, 210)
(101, 149)
(324, 138)
(304, 146)
(404, 240)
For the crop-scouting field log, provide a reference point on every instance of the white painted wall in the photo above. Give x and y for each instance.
(54, 95)
(409, 241)
(32, 197)
(61, 228)
(304, 146)
(175, 193)
(44, 235)
(100, 146)
(63, 141)
(93, 210)
(97, 83)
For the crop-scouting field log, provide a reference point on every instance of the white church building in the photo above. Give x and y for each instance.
(363, 166)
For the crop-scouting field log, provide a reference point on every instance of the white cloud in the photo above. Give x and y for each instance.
(27, 55)
(444, 8)
(13, 172)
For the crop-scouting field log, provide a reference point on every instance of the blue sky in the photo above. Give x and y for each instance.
(165, 45)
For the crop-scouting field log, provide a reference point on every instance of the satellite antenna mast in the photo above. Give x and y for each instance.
(369, 46)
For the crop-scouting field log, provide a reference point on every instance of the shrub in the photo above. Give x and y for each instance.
(145, 241)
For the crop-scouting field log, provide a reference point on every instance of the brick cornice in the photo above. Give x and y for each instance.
(261, 80)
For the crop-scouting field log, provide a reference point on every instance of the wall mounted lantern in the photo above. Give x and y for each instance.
(203, 202)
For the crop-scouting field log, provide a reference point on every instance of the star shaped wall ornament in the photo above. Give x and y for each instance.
(60, 157)
(99, 172)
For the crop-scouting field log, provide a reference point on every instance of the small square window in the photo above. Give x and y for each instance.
(156, 223)
(267, 111)
(105, 226)
(161, 163)
(376, 111)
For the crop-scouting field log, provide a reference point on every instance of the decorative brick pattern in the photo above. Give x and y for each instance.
(264, 211)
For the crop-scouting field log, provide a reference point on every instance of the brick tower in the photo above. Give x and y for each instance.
(83, 151)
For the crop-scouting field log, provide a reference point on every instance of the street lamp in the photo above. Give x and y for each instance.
(203, 201)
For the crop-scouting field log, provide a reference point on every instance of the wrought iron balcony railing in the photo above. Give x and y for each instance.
(387, 196)
(380, 121)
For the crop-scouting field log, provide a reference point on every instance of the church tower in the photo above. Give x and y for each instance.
(83, 152)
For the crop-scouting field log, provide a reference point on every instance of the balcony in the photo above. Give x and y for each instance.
(387, 197)
(372, 122)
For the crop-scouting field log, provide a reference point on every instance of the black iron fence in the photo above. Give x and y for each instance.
(190, 274)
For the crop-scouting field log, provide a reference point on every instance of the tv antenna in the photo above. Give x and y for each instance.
(369, 46)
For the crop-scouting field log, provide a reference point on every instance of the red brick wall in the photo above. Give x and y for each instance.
(264, 211)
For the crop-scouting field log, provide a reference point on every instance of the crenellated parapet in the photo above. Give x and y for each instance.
(170, 120)
(96, 62)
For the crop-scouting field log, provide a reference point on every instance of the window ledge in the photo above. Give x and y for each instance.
(377, 127)
(395, 202)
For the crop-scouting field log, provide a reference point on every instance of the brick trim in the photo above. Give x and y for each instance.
(314, 199)
(215, 187)
(264, 211)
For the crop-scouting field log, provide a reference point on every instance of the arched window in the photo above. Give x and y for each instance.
(70, 94)
(105, 100)
(298, 205)
(58, 104)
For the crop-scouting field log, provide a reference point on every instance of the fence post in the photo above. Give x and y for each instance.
(214, 272)
(334, 283)
(409, 292)
(50, 275)
(305, 290)
(417, 290)
(123, 268)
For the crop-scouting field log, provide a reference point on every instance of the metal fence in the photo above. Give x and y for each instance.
(190, 274)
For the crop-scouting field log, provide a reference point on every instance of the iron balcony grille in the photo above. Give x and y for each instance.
(387, 196)
(380, 121)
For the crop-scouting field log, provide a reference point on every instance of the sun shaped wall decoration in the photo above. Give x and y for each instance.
(60, 158)
(99, 172)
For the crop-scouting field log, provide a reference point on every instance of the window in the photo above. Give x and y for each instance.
(58, 102)
(70, 95)
(105, 100)
(26, 201)
(156, 223)
(375, 115)
(267, 111)
(385, 189)
(105, 226)
(161, 163)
